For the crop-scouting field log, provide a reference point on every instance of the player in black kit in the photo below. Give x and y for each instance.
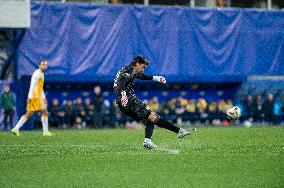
(130, 105)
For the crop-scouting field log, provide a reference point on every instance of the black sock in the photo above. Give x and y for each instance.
(167, 125)
(149, 128)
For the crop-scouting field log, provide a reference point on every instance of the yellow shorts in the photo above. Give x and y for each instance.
(36, 104)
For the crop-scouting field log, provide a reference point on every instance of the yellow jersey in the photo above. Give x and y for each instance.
(36, 86)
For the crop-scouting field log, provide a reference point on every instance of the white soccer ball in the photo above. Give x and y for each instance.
(234, 112)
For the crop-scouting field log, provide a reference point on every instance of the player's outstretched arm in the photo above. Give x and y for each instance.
(160, 79)
(142, 76)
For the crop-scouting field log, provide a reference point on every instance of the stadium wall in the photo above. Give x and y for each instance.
(89, 42)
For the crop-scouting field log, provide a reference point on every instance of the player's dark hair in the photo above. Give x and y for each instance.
(42, 60)
(139, 59)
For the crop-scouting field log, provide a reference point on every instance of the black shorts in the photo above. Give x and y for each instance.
(136, 109)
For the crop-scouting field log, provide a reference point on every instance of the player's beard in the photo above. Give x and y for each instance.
(43, 70)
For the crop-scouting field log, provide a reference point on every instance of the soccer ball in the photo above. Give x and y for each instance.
(234, 112)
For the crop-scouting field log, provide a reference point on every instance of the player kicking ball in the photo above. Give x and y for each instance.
(36, 100)
(130, 105)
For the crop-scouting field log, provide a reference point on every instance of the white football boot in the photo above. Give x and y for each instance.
(149, 144)
(183, 132)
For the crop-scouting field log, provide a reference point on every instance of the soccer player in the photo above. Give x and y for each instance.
(36, 100)
(130, 105)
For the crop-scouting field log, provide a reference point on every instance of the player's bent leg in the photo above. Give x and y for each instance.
(149, 128)
(44, 121)
(21, 122)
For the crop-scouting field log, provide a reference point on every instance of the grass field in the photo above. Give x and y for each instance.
(212, 157)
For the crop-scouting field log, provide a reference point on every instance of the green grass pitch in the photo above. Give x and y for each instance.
(211, 157)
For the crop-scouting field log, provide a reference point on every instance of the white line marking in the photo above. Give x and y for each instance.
(171, 151)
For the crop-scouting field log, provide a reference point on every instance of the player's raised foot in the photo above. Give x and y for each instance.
(183, 132)
(15, 132)
(149, 144)
(47, 133)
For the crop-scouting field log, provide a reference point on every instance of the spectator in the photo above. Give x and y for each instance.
(117, 114)
(182, 101)
(171, 107)
(201, 107)
(37, 120)
(190, 107)
(180, 110)
(8, 106)
(212, 111)
(277, 113)
(80, 112)
(62, 117)
(98, 103)
(258, 109)
(154, 104)
(53, 110)
(90, 112)
(249, 108)
(172, 104)
(221, 113)
(108, 114)
(70, 113)
(229, 103)
(191, 111)
(87, 102)
(180, 105)
(165, 107)
(268, 108)
(222, 106)
(79, 105)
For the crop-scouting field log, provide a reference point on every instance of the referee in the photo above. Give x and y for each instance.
(130, 105)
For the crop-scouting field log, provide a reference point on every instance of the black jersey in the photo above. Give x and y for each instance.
(125, 81)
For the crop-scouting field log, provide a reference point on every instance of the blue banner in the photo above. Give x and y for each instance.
(88, 42)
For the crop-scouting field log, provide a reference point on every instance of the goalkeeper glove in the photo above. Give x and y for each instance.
(160, 79)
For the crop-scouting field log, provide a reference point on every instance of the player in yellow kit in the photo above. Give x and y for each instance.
(36, 100)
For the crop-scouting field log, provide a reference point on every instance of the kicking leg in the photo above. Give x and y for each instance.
(160, 122)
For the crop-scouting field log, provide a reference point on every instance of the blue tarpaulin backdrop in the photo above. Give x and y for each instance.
(87, 42)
